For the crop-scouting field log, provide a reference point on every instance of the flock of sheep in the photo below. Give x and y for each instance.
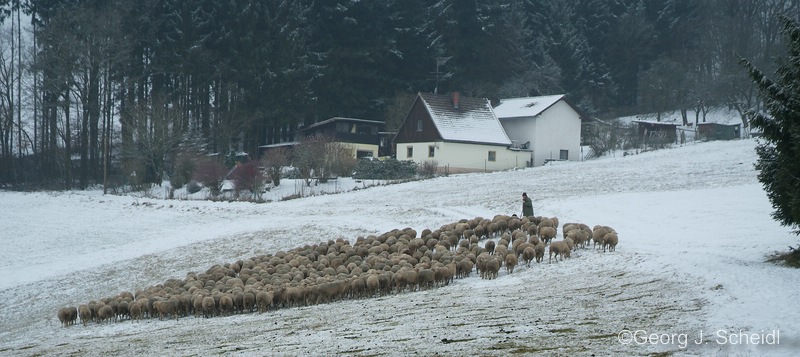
(393, 262)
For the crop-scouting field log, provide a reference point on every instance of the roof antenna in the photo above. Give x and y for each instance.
(440, 61)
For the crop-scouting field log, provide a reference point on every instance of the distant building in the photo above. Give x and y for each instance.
(719, 131)
(549, 126)
(655, 132)
(461, 134)
(360, 135)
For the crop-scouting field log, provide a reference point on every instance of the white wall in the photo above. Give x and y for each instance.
(557, 128)
(465, 157)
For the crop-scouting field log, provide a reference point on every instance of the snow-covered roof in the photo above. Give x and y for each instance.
(525, 107)
(656, 122)
(350, 120)
(473, 121)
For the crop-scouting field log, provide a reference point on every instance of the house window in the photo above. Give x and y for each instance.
(492, 155)
(364, 153)
(409, 152)
(419, 125)
(431, 150)
(564, 155)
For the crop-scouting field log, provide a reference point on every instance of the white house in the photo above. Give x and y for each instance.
(549, 126)
(461, 134)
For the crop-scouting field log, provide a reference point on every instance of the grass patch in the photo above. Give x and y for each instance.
(355, 351)
(447, 340)
(515, 348)
(790, 258)
(529, 350)
(600, 337)
(563, 330)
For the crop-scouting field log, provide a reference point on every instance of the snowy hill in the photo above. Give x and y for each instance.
(690, 271)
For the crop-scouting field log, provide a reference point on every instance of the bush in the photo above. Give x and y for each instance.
(274, 160)
(193, 187)
(388, 169)
(184, 168)
(210, 172)
(429, 168)
(339, 161)
(247, 176)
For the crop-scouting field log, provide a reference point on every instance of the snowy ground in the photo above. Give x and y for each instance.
(689, 272)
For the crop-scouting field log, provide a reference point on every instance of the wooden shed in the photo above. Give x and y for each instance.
(719, 131)
(657, 133)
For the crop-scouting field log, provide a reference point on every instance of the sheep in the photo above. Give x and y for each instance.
(610, 241)
(226, 304)
(478, 231)
(570, 243)
(67, 315)
(406, 278)
(539, 251)
(464, 268)
(492, 267)
(520, 248)
(578, 236)
(598, 234)
(208, 306)
(425, 278)
(197, 305)
(85, 314)
(123, 310)
(358, 287)
(373, 284)
(249, 301)
(533, 230)
(446, 273)
(557, 248)
(136, 311)
(105, 313)
(489, 246)
(547, 222)
(528, 254)
(263, 300)
(511, 262)
(394, 261)
(481, 261)
(546, 234)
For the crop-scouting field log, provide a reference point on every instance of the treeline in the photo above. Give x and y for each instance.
(91, 84)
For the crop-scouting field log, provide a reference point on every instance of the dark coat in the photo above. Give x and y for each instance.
(527, 207)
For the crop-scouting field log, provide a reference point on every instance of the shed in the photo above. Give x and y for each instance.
(657, 133)
(719, 131)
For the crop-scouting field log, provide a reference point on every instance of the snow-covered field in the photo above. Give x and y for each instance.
(689, 276)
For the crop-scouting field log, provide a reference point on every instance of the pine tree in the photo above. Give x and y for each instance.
(778, 165)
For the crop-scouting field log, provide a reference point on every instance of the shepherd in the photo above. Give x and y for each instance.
(527, 206)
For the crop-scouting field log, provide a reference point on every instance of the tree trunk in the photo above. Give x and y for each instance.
(67, 143)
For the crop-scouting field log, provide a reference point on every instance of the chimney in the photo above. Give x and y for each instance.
(456, 96)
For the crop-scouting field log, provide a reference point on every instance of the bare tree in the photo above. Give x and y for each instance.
(273, 161)
(156, 132)
(320, 156)
(248, 176)
(309, 156)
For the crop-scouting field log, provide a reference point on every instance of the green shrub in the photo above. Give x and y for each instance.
(388, 169)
